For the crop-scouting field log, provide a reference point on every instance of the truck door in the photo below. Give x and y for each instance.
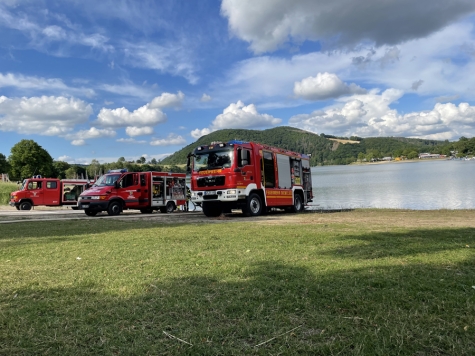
(245, 174)
(130, 190)
(35, 192)
(52, 194)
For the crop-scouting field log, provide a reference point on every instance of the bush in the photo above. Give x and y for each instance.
(5, 190)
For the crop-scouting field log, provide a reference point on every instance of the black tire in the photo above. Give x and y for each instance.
(26, 205)
(89, 212)
(298, 205)
(254, 205)
(114, 208)
(212, 210)
(170, 208)
(146, 211)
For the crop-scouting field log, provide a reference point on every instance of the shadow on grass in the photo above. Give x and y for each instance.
(424, 310)
(402, 244)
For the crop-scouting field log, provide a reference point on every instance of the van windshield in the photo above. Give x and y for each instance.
(212, 160)
(107, 180)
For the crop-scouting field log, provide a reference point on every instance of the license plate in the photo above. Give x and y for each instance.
(85, 206)
(210, 192)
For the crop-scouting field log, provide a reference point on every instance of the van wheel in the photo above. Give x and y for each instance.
(89, 212)
(212, 210)
(170, 207)
(114, 208)
(26, 205)
(253, 205)
(298, 206)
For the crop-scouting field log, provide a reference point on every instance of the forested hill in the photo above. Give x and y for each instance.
(325, 149)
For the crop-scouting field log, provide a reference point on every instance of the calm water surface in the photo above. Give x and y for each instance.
(422, 185)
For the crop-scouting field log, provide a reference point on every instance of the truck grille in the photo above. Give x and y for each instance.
(210, 181)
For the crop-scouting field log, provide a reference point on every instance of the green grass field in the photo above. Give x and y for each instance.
(5, 190)
(111, 287)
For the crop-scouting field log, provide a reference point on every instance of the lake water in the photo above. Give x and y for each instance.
(421, 185)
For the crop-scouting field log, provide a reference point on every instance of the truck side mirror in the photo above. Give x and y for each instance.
(244, 162)
(116, 184)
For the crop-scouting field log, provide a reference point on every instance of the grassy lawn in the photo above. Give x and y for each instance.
(320, 286)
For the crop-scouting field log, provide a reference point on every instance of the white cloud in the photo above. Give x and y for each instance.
(173, 58)
(170, 140)
(131, 140)
(439, 60)
(121, 117)
(167, 100)
(205, 98)
(240, 116)
(325, 86)
(79, 137)
(138, 131)
(269, 24)
(46, 115)
(197, 133)
(370, 115)
(78, 142)
(23, 82)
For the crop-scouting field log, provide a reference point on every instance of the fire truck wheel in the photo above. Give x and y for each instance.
(26, 205)
(211, 210)
(298, 206)
(114, 208)
(90, 212)
(253, 206)
(170, 207)
(146, 211)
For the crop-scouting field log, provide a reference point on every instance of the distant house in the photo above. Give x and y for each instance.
(429, 155)
(387, 158)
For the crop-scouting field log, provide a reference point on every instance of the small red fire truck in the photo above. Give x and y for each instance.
(48, 191)
(120, 190)
(248, 176)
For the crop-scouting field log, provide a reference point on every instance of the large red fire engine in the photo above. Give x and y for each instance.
(248, 176)
(120, 190)
(48, 191)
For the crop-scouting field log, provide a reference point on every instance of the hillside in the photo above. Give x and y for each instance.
(324, 150)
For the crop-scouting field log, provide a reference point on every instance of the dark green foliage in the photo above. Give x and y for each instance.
(4, 166)
(27, 159)
(323, 150)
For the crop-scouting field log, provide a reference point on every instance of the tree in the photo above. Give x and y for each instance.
(60, 169)
(27, 158)
(4, 166)
(94, 168)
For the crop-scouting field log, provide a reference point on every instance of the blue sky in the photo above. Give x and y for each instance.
(116, 78)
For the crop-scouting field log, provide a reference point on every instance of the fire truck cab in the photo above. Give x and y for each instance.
(248, 176)
(120, 190)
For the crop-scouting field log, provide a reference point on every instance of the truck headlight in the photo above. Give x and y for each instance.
(231, 192)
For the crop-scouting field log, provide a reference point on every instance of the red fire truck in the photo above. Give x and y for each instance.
(248, 176)
(120, 190)
(48, 191)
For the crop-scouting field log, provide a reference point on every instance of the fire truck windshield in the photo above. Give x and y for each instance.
(107, 180)
(212, 160)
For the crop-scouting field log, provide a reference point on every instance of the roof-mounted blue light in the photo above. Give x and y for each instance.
(237, 142)
(123, 170)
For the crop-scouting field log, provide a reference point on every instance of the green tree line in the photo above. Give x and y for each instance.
(28, 158)
(325, 150)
